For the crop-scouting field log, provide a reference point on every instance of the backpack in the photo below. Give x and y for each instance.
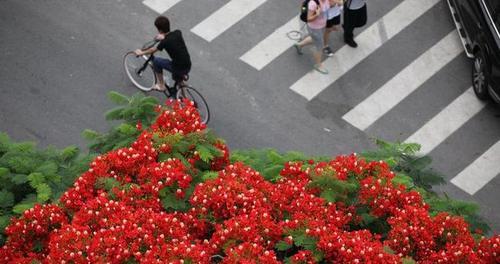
(303, 10)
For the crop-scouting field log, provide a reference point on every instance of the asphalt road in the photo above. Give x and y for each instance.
(59, 59)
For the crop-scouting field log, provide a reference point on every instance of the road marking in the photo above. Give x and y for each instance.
(160, 6)
(405, 82)
(272, 46)
(447, 121)
(225, 17)
(369, 40)
(480, 172)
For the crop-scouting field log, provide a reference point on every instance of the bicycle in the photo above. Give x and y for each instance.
(139, 70)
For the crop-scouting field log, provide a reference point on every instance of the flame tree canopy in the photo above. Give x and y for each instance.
(176, 195)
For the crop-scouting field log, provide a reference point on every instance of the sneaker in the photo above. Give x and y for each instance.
(298, 48)
(328, 51)
(351, 42)
(320, 69)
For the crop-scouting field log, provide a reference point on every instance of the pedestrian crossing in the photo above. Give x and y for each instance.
(454, 115)
(405, 82)
(225, 17)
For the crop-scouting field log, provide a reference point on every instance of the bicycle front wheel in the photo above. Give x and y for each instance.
(139, 70)
(199, 102)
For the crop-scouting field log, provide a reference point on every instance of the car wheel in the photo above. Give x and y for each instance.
(480, 76)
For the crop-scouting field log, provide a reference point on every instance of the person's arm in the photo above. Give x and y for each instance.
(140, 52)
(151, 50)
(312, 15)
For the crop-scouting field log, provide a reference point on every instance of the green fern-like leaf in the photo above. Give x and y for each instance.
(275, 157)
(35, 179)
(107, 183)
(48, 167)
(89, 134)
(209, 175)
(272, 173)
(19, 178)
(114, 114)
(43, 193)
(6, 199)
(118, 98)
(69, 153)
(282, 246)
(5, 143)
(204, 153)
(25, 204)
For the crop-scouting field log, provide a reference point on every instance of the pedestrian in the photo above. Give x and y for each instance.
(354, 16)
(316, 23)
(332, 24)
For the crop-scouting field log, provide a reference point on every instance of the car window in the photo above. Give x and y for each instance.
(494, 9)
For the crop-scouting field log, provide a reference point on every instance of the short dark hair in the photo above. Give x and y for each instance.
(162, 24)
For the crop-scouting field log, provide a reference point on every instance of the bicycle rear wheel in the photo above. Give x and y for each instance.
(199, 102)
(139, 71)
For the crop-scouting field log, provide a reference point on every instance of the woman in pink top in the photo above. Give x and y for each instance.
(316, 23)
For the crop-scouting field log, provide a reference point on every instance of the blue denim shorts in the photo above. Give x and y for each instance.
(160, 64)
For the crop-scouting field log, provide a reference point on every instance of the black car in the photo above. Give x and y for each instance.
(478, 24)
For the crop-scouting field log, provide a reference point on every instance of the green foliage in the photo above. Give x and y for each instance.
(404, 159)
(29, 175)
(334, 190)
(269, 162)
(413, 171)
(282, 246)
(131, 110)
(301, 241)
(469, 211)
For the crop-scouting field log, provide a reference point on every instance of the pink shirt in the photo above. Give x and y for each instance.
(320, 21)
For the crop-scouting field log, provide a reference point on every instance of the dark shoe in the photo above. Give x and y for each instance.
(351, 42)
(328, 51)
(298, 48)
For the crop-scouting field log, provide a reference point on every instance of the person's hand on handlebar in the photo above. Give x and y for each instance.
(138, 52)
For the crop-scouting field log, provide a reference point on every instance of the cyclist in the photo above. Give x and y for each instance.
(173, 44)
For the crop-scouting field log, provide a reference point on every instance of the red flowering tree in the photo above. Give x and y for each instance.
(173, 196)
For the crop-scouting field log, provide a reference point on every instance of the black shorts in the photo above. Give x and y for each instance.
(333, 22)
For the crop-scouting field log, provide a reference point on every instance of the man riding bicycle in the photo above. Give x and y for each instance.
(173, 44)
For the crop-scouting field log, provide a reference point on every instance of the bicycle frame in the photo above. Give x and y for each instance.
(146, 64)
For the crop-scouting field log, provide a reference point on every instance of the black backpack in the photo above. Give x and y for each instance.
(303, 10)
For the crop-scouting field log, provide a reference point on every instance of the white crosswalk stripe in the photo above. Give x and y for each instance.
(447, 121)
(225, 17)
(160, 6)
(370, 40)
(272, 46)
(405, 82)
(480, 172)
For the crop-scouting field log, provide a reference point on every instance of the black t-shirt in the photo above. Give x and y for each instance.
(174, 45)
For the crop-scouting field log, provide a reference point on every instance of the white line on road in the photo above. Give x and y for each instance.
(160, 6)
(405, 82)
(369, 40)
(480, 172)
(447, 121)
(272, 46)
(225, 17)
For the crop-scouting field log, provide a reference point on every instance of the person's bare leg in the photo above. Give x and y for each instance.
(306, 41)
(326, 36)
(160, 82)
(317, 58)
